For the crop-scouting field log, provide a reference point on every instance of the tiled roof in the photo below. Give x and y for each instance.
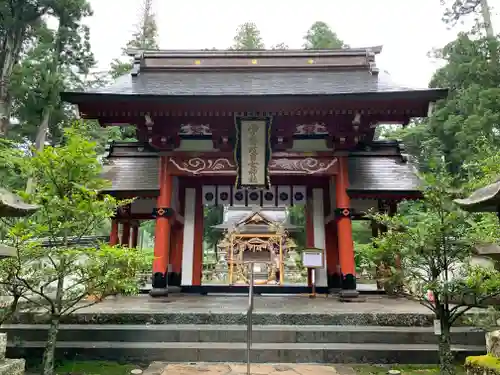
(131, 173)
(233, 73)
(384, 173)
(252, 83)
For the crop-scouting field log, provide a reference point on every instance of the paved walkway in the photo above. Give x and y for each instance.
(158, 368)
(277, 304)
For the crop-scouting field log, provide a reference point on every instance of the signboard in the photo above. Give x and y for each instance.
(313, 258)
(263, 256)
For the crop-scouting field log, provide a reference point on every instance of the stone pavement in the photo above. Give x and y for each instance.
(159, 368)
(276, 304)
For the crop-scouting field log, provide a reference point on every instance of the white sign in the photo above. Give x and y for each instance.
(437, 327)
(312, 258)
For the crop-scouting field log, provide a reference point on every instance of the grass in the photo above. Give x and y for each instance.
(94, 368)
(405, 369)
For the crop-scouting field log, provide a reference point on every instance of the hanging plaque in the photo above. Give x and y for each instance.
(252, 152)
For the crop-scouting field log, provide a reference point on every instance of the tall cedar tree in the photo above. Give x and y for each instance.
(248, 38)
(145, 37)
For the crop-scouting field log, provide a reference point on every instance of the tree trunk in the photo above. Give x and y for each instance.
(13, 44)
(40, 142)
(12, 309)
(50, 347)
(485, 12)
(446, 366)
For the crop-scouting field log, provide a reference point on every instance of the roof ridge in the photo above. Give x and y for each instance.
(134, 52)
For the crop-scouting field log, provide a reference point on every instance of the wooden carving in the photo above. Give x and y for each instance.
(293, 165)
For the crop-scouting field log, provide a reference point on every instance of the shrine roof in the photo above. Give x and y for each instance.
(237, 216)
(185, 74)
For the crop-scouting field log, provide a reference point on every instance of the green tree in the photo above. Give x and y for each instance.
(321, 36)
(469, 114)
(248, 38)
(145, 37)
(297, 217)
(58, 279)
(17, 18)
(436, 241)
(213, 216)
(44, 71)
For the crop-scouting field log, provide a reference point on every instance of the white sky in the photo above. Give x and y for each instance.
(408, 29)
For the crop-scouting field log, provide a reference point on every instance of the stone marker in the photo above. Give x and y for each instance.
(136, 371)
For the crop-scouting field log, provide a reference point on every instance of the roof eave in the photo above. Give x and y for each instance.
(430, 95)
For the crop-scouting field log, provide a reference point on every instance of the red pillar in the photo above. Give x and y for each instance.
(126, 234)
(309, 235)
(162, 230)
(113, 236)
(134, 235)
(344, 227)
(198, 239)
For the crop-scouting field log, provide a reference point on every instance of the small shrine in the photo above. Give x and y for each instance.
(256, 236)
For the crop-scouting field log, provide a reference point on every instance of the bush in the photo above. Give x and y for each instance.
(482, 365)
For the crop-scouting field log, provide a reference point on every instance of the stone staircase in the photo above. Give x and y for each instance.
(9, 366)
(214, 341)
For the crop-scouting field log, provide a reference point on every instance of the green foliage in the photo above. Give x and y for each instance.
(436, 241)
(297, 217)
(248, 38)
(212, 216)
(467, 123)
(58, 279)
(94, 368)
(321, 36)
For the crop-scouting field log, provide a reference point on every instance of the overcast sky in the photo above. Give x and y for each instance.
(408, 29)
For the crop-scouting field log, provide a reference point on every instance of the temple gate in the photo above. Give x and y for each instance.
(264, 129)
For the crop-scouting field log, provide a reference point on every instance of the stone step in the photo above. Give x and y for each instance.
(239, 317)
(236, 352)
(238, 333)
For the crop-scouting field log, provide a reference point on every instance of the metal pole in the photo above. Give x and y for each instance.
(249, 317)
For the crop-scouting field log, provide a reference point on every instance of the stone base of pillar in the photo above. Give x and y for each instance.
(174, 279)
(334, 281)
(158, 292)
(159, 285)
(349, 282)
(348, 292)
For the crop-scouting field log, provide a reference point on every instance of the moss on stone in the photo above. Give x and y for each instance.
(483, 364)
